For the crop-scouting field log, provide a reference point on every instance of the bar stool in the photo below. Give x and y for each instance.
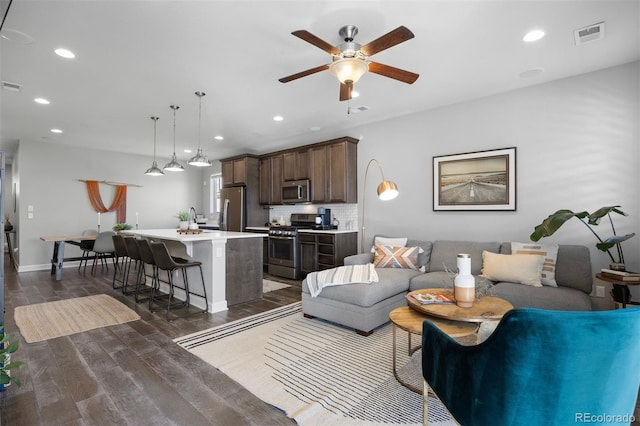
(165, 262)
(121, 263)
(134, 254)
(147, 259)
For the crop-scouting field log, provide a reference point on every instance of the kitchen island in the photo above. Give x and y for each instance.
(231, 263)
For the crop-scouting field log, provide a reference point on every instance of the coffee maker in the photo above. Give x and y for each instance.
(323, 218)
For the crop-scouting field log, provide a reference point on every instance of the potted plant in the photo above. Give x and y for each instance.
(552, 223)
(184, 220)
(121, 227)
(6, 349)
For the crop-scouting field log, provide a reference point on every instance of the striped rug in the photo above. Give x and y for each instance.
(317, 372)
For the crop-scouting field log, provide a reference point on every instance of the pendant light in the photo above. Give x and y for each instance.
(154, 170)
(199, 160)
(174, 165)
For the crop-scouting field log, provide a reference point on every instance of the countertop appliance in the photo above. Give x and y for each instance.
(233, 212)
(323, 217)
(296, 192)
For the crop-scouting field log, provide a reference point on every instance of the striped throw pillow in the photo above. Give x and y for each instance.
(396, 257)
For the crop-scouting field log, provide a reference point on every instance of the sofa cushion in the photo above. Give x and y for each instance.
(388, 241)
(444, 254)
(554, 298)
(396, 257)
(390, 282)
(573, 266)
(549, 252)
(423, 258)
(517, 268)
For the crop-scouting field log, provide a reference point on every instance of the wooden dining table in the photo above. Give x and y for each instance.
(58, 250)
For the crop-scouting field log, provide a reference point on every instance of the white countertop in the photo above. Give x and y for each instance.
(205, 235)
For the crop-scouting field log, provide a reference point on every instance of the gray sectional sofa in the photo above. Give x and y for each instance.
(366, 306)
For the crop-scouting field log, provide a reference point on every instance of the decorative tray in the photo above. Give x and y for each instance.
(189, 231)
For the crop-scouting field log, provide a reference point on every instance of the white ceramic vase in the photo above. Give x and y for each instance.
(464, 284)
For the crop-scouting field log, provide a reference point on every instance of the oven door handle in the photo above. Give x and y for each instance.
(282, 238)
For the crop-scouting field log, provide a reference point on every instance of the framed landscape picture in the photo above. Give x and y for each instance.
(483, 180)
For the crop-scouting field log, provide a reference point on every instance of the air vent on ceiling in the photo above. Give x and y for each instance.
(14, 87)
(358, 109)
(587, 34)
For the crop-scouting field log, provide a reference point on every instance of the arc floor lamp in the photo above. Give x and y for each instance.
(387, 190)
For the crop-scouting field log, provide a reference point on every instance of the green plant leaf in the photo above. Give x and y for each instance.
(4, 378)
(619, 238)
(13, 365)
(13, 346)
(594, 218)
(553, 222)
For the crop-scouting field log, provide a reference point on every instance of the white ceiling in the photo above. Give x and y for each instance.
(135, 58)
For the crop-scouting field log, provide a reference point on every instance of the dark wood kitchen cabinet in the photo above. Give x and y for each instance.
(318, 166)
(240, 170)
(319, 251)
(343, 173)
(265, 180)
(295, 165)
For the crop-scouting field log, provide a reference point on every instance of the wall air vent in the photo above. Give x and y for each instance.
(14, 87)
(587, 34)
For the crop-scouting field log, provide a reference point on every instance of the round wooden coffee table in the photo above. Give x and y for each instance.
(486, 308)
(449, 318)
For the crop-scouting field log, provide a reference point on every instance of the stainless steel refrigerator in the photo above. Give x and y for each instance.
(233, 215)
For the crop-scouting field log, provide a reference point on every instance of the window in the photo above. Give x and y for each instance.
(215, 184)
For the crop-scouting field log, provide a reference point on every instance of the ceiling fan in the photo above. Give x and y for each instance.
(351, 60)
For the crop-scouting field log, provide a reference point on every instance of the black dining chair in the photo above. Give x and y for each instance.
(87, 247)
(147, 260)
(121, 263)
(165, 262)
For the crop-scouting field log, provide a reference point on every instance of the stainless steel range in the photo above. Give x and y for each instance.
(284, 247)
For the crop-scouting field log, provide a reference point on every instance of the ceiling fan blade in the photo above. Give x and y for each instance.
(345, 92)
(392, 72)
(303, 74)
(316, 41)
(388, 40)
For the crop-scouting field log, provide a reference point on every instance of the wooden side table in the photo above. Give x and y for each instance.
(486, 308)
(626, 296)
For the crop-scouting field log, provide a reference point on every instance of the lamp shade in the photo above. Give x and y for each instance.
(387, 190)
(199, 160)
(154, 170)
(349, 69)
(174, 165)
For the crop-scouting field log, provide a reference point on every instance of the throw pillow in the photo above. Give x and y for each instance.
(396, 257)
(514, 268)
(549, 252)
(385, 241)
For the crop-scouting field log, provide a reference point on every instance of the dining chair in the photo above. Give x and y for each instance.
(103, 249)
(122, 263)
(538, 367)
(87, 247)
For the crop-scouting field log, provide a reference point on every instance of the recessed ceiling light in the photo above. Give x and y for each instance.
(533, 35)
(218, 137)
(42, 101)
(278, 118)
(188, 151)
(314, 128)
(65, 53)
(56, 131)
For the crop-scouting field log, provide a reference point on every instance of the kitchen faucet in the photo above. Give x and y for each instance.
(192, 209)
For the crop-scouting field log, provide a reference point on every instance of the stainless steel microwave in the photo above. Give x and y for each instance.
(296, 191)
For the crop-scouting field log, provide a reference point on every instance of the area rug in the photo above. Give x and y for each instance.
(268, 285)
(316, 372)
(49, 320)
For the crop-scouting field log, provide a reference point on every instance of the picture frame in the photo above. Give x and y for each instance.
(475, 181)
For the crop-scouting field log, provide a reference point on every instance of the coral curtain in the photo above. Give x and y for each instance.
(119, 203)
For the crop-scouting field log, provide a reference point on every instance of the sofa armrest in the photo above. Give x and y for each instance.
(359, 259)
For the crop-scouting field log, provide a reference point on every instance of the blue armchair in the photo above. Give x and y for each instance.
(539, 367)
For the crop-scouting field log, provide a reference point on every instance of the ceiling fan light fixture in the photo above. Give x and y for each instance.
(348, 69)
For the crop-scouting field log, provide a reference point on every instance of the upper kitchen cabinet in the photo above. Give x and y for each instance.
(295, 165)
(331, 167)
(240, 170)
(343, 173)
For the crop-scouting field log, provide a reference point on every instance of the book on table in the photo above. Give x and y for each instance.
(620, 275)
(433, 298)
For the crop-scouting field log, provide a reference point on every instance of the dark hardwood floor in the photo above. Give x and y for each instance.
(129, 374)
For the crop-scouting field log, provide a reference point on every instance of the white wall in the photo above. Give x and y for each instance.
(49, 181)
(577, 145)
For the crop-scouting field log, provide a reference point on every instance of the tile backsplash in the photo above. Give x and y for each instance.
(347, 214)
